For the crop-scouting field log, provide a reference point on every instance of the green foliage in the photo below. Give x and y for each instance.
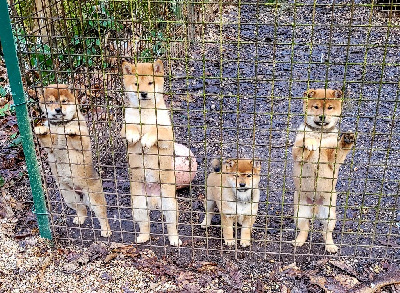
(15, 140)
(6, 110)
(3, 92)
(81, 33)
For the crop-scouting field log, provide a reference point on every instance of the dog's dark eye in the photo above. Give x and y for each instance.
(315, 107)
(135, 83)
(330, 108)
(249, 175)
(63, 101)
(151, 82)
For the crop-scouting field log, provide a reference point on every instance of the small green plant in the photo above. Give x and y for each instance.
(6, 110)
(3, 92)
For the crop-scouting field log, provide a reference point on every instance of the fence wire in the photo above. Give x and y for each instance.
(235, 74)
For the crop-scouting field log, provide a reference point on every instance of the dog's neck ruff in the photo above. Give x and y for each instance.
(246, 199)
(320, 129)
(63, 121)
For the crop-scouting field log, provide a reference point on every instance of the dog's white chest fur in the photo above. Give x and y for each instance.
(147, 117)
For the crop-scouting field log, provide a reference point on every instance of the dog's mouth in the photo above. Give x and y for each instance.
(242, 189)
(57, 116)
(321, 123)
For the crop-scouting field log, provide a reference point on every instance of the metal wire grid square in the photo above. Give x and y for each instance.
(234, 80)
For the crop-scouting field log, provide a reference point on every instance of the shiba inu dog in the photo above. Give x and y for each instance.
(318, 154)
(233, 187)
(148, 131)
(65, 137)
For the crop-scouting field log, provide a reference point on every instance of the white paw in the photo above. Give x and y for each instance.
(230, 242)
(245, 243)
(332, 248)
(204, 224)
(311, 146)
(41, 130)
(142, 238)
(132, 137)
(298, 243)
(148, 140)
(174, 241)
(71, 131)
(106, 233)
(79, 220)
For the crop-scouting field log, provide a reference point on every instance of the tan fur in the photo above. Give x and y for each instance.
(223, 189)
(318, 154)
(150, 138)
(69, 155)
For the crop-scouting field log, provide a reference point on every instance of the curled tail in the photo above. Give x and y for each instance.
(216, 165)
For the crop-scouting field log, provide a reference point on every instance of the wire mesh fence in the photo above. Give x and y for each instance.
(235, 75)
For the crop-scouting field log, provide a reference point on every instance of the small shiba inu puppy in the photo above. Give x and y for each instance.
(150, 138)
(318, 154)
(65, 137)
(233, 187)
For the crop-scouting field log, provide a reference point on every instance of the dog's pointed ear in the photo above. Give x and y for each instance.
(257, 164)
(337, 94)
(310, 93)
(229, 164)
(158, 67)
(127, 68)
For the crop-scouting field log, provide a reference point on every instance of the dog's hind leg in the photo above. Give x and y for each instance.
(209, 206)
(98, 205)
(302, 215)
(140, 211)
(73, 200)
(327, 214)
(170, 211)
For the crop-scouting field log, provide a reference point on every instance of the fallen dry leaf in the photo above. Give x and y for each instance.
(127, 250)
(344, 267)
(346, 281)
(110, 257)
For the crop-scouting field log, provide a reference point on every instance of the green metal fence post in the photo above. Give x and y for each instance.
(21, 109)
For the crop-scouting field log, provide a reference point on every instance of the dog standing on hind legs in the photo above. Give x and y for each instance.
(148, 131)
(318, 154)
(65, 138)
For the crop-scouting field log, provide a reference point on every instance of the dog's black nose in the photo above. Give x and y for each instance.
(242, 184)
(322, 117)
(58, 110)
(143, 95)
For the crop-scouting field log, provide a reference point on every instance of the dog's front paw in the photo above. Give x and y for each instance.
(230, 242)
(174, 241)
(132, 137)
(41, 130)
(311, 144)
(148, 140)
(332, 248)
(71, 131)
(348, 139)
